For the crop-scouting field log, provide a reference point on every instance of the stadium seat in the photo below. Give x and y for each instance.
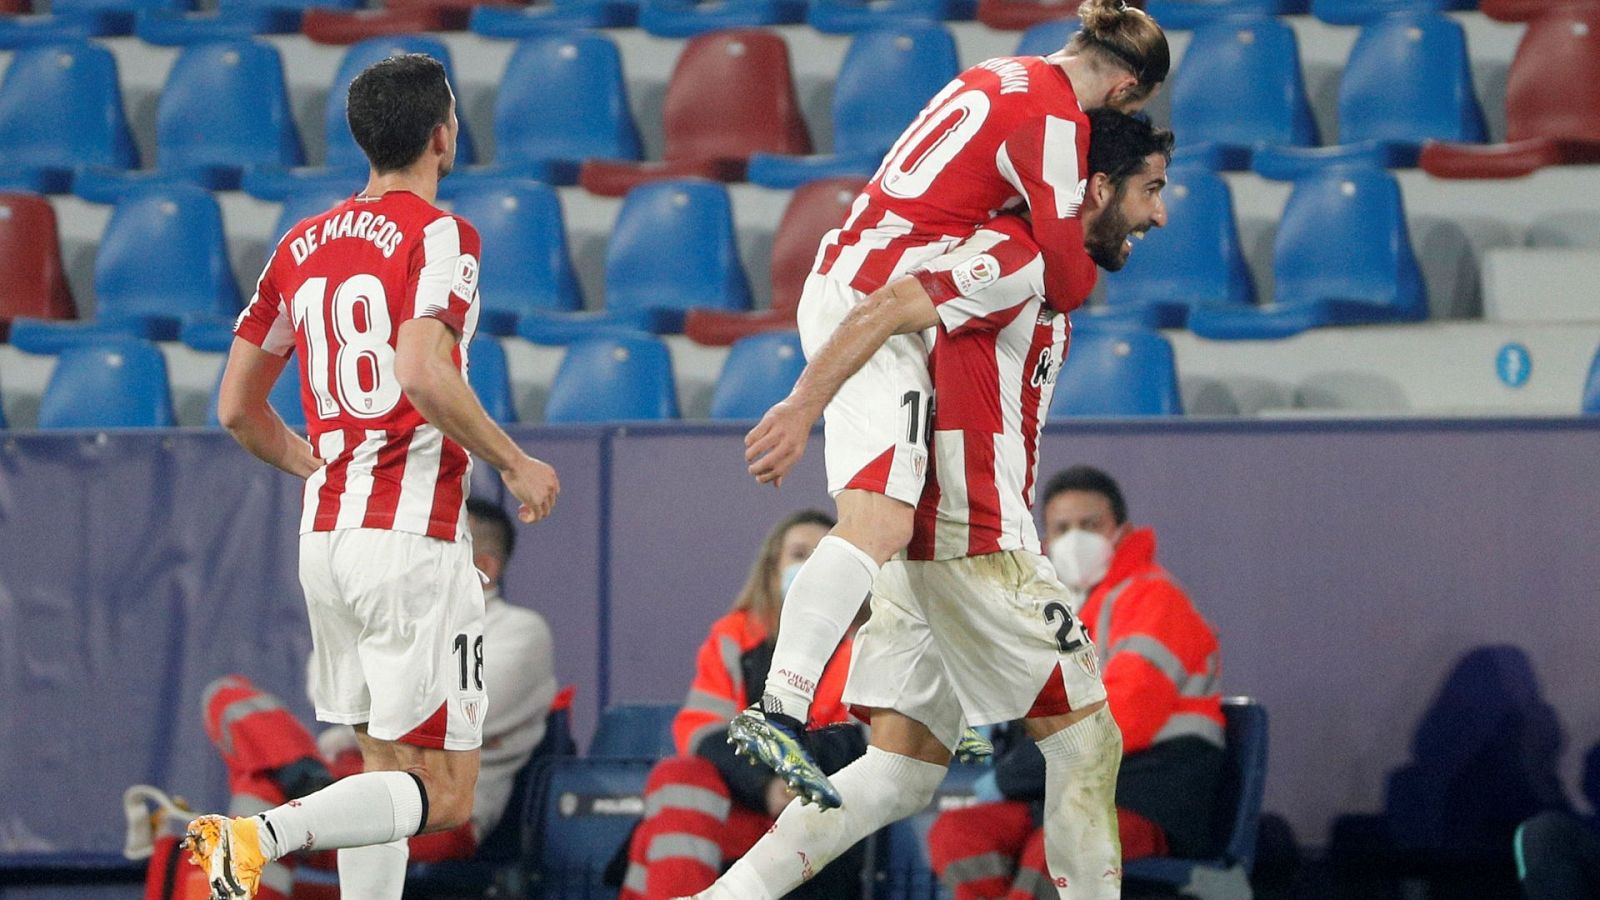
(901, 869)
(850, 16)
(229, 20)
(1183, 15)
(1239, 86)
(1197, 258)
(490, 378)
(302, 205)
(634, 731)
(686, 18)
(117, 383)
(517, 22)
(1363, 12)
(526, 265)
(613, 378)
(1046, 38)
(672, 249)
(85, 126)
(397, 17)
(1020, 15)
(760, 370)
(1591, 388)
(582, 811)
(76, 20)
(162, 258)
(1342, 256)
(562, 100)
(887, 76)
(712, 130)
(814, 209)
(1236, 815)
(225, 108)
(30, 262)
(1116, 371)
(1513, 10)
(1544, 127)
(284, 397)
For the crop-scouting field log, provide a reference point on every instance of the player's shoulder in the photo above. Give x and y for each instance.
(1026, 86)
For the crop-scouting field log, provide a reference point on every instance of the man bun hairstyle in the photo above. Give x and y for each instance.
(1124, 36)
(394, 105)
(1120, 143)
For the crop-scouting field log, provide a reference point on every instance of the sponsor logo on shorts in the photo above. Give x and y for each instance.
(1087, 663)
(975, 274)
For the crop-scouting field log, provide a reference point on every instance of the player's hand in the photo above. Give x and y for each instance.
(535, 484)
(775, 445)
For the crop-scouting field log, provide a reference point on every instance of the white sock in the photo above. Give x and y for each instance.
(826, 596)
(1081, 842)
(877, 789)
(374, 872)
(369, 808)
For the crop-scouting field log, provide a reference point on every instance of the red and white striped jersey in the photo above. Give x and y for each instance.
(1005, 134)
(336, 290)
(996, 353)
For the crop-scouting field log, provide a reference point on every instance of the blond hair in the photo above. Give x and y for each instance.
(757, 595)
(1124, 36)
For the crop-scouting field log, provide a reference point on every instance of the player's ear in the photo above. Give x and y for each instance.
(1099, 191)
(439, 139)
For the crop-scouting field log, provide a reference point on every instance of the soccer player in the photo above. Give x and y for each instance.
(1008, 133)
(378, 299)
(973, 626)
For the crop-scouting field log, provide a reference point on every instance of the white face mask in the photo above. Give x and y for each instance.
(1081, 558)
(786, 577)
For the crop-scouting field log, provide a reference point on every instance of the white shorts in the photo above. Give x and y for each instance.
(980, 640)
(875, 431)
(397, 635)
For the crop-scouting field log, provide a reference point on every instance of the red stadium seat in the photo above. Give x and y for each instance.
(731, 94)
(32, 282)
(1523, 10)
(815, 209)
(1020, 15)
(342, 26)
(1545, 125)
(15, 7)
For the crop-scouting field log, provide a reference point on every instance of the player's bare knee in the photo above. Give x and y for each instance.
(878, 525)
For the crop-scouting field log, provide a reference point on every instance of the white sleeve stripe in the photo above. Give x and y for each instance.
(1008, 171)
(441, 238)
(1060, 165)
(441, 244)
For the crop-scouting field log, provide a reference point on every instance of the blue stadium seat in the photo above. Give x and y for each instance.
(230, 20)
(162, 258)
(562, 100)
(302, 205)
(284, 397)
(1361, 12)
(490, 378)
(582, 811)
(886, 78)
(1591, 388)
(1183, 15)
(1116, 371)
(850, 16)
(634, 731)
(613, 378)
(108, 384)
(1236, 815)
(85, 124)
(224, 109)
(1197, 258)
(76, 20)
(760, 370)
(686, 18)
(517, 22)
(1342, 256)
(672, 249)
(1046, 38)
(1239, 85)
(901, 870)
(526, 265)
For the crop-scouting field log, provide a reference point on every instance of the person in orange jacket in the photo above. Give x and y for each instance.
(707, 806)
(1161, 665)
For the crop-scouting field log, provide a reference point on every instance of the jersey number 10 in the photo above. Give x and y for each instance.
(361, 380)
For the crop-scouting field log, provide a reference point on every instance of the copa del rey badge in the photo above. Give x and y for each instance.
(978, 272)
(466, 278)
(472, 708)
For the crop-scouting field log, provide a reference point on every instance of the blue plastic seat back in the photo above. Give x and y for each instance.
(490, 378)
(1197, 257)
(1343, 236)
(1239, 83)
(342, 147)
(1409, 79)
(1046, 38)
(61, 105)
(73, 7)
(163, 253)
(635, 731)
(1591, 389)
(526, 262)
(1117, 372)
(673, 246)
(613, 378)
(902, 870)
(110, 384)
(584, 810)
(887, 77)
(1243, 782)
(760, 370)
(563, 97)
(226, 104)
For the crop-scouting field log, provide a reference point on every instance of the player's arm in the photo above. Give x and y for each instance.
(779, 440)
(425, 364)
(243, 409)
(1046, 158)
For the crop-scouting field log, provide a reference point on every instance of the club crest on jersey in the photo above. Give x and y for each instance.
(466, 276)
(1046, 368)
(976, 273)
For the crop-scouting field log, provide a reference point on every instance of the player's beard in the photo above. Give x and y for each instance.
(1106, 236)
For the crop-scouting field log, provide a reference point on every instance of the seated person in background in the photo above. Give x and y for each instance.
(1159, 659)
(272, 758)
(707, 806)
